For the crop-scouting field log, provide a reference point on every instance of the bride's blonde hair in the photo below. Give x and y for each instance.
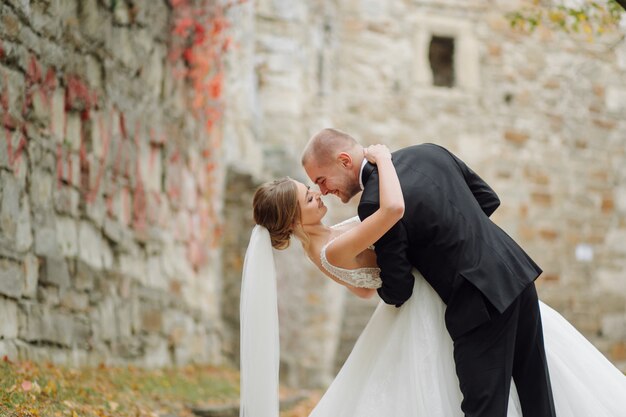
(275, 206)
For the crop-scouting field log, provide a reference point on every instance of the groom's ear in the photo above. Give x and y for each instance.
(344, 159)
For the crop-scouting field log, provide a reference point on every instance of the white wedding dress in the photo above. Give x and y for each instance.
(402, 364)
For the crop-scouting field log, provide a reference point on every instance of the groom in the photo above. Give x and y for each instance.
(483, 276)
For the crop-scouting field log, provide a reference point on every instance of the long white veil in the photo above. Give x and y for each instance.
(260, 351)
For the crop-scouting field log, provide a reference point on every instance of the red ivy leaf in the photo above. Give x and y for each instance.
(33, 71)
(215, 86)
(182, 25)
(50, 82)
(226, 44)
(188, 55)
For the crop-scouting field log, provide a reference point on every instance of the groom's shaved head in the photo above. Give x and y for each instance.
(332, 160)
(324, 146)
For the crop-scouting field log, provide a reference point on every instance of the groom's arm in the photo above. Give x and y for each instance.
(395, 268)
(483, 193)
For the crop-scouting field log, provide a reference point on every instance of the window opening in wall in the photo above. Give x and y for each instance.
(441, 58)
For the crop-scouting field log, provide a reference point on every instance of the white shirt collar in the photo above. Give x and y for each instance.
(361, 173)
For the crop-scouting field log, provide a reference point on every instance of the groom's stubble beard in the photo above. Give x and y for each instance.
(352, 188)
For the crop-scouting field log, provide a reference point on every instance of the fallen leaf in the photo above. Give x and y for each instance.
(27, 386)
(36, 388)
(50, 389)
(113, 405)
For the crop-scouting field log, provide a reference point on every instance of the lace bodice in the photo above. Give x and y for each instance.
(366, 277)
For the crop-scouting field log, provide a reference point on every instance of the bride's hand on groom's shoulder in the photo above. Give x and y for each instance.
(374, 153)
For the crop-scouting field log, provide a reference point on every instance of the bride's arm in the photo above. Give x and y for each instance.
(347, 246)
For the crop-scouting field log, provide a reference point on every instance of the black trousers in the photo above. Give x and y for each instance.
(509, 346)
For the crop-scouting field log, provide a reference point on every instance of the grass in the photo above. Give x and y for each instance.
(40, 390)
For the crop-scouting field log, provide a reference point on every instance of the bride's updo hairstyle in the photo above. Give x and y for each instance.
(275, 207)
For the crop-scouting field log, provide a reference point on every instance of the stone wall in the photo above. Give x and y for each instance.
(109, 213)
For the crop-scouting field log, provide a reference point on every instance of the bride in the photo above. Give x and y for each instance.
(402, 364)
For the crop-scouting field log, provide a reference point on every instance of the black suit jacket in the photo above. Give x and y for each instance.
(447, 235)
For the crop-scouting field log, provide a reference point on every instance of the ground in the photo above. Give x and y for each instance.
(29, 389)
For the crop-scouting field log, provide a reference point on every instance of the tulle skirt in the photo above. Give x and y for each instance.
(402, 365)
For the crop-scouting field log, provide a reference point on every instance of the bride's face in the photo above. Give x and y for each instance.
(312, 207)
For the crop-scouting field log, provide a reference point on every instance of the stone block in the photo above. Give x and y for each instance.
(75, 301)
(614, 326)
(94, 72)
(133, 266)
(156, 352)
(69, 173)
(610, 280)
(41, 189)
(10, 208)
(616, 99)
(541, 198)
(103, 320)
(120, 45)
(183, 226)
(113, 230)
(54, 271)
(73, 135)
(175, 264)
(151, 319)
(153, 72)
(182, 354)
(91, 18)
(67, 236)
(125, 317)
(10, 23)
(84, 277)
(11, 278)
(189, 190)
(9, 321)
(615, 239)
(14, 88)
(57, 114)
(155, 16)
(618, 351)
(155, 277)
(121, 206)
(41, 108)
(96, 209)
(31, 276)
(515, 137)
(128, 348)
(151, 168)
(48, 295)
(24, 233)
(44, 324)
(46, 242)
(177, 326)
(8, 349)
(93, 249)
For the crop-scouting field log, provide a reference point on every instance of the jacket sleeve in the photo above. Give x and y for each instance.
(395, 268)
(483, 193)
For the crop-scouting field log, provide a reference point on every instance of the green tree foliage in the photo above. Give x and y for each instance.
(590, 17)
